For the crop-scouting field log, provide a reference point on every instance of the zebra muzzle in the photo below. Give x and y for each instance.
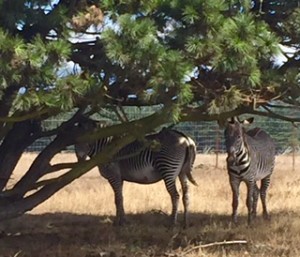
(231, 158)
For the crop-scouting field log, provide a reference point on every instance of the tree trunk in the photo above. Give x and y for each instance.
(16, 141)
(22, 198)
(11, 208)
(40, 166)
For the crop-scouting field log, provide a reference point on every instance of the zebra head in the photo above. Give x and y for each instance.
(83, 149)
(235, 138)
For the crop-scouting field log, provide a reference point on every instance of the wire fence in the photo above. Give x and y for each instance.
(207, 135)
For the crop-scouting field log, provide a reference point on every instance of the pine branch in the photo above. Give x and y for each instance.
(282, 106)
(30, 115)
(269, 113)
(61, 166)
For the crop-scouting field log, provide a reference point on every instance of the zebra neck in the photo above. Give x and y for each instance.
(242, 162)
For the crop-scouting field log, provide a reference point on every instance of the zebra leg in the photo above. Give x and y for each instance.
(263, 194)
(171, 188)
(185, 197)
(256, 192)
(117, 186)
(250, 196)
(235, 185)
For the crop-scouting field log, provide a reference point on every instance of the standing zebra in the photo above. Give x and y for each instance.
(251, 157)
(141, 164)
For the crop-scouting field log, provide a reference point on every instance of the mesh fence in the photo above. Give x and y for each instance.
(210, 139)
(207, 135)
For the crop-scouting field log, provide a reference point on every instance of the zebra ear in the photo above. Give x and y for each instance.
(248, 121)
(232, 120)
(223, 122)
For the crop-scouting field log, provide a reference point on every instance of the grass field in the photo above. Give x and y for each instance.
(77, 221)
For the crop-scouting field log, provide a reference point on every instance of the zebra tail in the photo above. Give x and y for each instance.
(187, 166)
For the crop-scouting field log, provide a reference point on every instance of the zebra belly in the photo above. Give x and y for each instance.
(262, 174)
(145, 175)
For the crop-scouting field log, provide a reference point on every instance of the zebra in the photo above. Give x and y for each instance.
(142, 164)
(250, 158)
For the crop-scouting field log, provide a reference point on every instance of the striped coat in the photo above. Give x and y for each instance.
(250, 158)
(174, 157)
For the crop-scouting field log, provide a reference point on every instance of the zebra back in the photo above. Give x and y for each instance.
(164, 145)
(262, 152)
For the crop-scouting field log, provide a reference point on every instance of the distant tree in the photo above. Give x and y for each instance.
(194, 60)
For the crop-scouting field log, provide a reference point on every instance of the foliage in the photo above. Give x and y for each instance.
(193, 60)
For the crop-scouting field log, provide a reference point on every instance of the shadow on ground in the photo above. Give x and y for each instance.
(67, 234)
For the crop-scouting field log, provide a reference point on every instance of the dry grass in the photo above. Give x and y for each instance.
(77, 220)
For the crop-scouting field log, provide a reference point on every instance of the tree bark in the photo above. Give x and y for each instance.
(10, 209)
(16, 141)
(20, 199)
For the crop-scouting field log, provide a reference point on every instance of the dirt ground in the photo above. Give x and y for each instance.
(77, 221)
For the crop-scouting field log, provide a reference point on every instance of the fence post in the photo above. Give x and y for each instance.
(294, 143)
(217, 146)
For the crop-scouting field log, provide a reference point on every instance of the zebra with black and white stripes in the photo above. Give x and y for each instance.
(251, 157)
(142, 164)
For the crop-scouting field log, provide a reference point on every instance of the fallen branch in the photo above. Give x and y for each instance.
(205, 246)
(214, 244)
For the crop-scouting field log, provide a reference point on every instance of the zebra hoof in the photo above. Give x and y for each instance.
(186, 225)
(234, 224)
(171, 224)
(234, 220)
(120, 222)
(250, 221)
(253, 215)
(267, 217)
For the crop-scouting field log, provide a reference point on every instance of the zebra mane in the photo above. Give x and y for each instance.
(254, 132)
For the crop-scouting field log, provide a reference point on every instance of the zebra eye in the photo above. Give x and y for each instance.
(237, 136)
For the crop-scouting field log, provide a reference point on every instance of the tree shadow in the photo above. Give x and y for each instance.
(60, 234)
